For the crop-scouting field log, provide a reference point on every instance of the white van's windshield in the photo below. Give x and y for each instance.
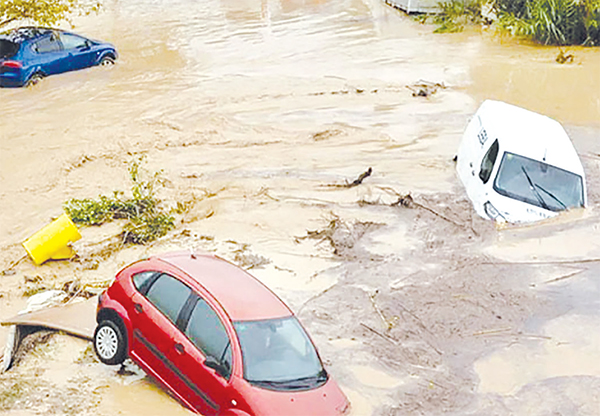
(538, 183)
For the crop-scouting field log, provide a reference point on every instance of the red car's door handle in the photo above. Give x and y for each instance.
(138, 308)
(179, 348)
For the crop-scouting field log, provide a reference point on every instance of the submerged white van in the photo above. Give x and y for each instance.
(518, 166)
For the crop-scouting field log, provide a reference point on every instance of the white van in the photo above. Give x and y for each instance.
(518, 166)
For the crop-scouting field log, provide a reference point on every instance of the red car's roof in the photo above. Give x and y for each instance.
(242, 296)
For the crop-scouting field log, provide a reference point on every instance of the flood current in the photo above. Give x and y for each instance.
(294, 65)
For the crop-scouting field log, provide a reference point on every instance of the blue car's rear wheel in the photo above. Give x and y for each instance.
(34, 79)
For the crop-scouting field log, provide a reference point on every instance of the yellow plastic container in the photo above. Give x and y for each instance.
(52, 241)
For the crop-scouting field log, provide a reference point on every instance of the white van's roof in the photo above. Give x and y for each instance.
(529, 134)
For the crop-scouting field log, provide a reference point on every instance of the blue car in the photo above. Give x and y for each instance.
(28, 54)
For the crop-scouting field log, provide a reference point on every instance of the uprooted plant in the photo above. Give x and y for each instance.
(341, 235)
(146, 219)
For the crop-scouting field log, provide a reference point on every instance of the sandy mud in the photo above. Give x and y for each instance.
(255, 111)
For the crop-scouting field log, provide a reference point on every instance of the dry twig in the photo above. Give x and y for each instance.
(15, 263)
(376, 332)
(315, 297)
(491, 331)
(356, 182)
(541, 263)
(566, 276)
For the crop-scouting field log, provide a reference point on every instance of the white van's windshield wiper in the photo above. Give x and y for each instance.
(551, 195)
(534, 189)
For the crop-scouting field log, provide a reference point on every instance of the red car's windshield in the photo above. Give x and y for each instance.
(278, 355)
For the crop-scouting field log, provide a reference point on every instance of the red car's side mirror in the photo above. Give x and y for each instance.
(219, 368)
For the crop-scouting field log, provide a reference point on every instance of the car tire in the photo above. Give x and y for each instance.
(107, 61)
(110, 343)
(34, 79)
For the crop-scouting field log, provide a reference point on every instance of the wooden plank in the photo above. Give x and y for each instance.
(77, 319)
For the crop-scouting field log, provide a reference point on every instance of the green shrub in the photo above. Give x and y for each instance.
(455, 14)
(147, 221)
(146, 228)
(550, 22)
(554, 22)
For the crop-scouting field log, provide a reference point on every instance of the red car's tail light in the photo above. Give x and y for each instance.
(12, 64)
(100, 299)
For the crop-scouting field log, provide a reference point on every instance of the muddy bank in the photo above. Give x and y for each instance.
(57, 374)
(252, 110)
(468, 333)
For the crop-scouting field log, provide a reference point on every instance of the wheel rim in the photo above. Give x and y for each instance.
(34, 80)
(107, 342)
(106, 62)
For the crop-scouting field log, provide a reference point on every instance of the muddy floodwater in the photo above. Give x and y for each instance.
(254, 111)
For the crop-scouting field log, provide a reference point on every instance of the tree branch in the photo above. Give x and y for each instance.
(7, 21)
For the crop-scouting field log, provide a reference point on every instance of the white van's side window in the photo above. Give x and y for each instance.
(487, 164)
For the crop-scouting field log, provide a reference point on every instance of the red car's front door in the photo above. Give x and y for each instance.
(205, 340)
(153, 313)
(172, 328)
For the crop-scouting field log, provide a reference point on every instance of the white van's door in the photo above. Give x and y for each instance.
(487, 172)
(477, 155)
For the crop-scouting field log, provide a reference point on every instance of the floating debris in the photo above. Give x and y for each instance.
(563, 57)
(425, 88)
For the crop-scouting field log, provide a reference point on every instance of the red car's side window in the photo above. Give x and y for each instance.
(142, 281)
(191, 314)
(166, 293)
(206, 331)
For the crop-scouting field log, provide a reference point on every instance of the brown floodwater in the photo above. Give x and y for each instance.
(236, 67)
(263, 84)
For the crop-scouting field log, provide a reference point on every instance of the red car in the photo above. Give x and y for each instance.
(216, 337)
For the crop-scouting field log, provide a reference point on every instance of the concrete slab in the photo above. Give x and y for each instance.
(78, 319)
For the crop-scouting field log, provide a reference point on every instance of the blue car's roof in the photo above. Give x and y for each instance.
(23, 34)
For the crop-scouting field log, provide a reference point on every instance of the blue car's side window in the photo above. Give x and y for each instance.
(45, 45)
(72, 42)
